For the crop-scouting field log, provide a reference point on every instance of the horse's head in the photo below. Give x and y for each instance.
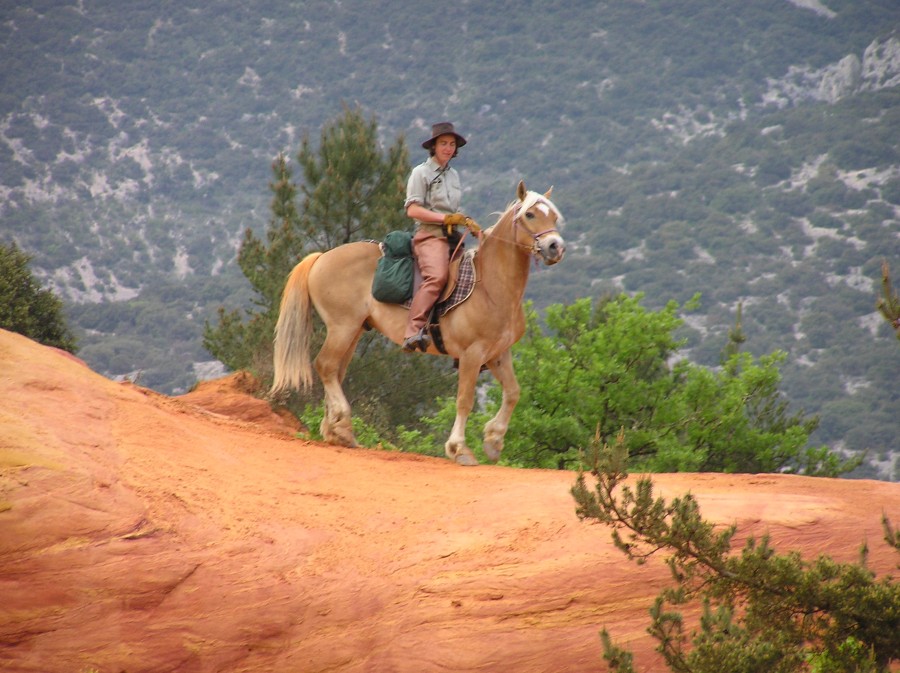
(536, 222)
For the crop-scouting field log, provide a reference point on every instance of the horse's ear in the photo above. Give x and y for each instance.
(521, 191)
(548, 192)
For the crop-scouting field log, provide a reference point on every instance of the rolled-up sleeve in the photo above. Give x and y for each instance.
(416, 187)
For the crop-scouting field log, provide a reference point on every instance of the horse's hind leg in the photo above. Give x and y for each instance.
(495, 429)
(331, 365)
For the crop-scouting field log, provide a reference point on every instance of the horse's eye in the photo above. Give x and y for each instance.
(529, 215)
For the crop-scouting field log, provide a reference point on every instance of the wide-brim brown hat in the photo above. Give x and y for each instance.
(442, 129)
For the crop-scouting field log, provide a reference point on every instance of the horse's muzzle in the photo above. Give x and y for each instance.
(552, 249)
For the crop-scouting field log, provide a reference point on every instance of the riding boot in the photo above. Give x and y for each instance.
(420, 341)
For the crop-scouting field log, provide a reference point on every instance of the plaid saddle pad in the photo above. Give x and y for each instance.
(465, 283)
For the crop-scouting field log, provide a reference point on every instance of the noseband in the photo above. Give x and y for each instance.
(535, 247)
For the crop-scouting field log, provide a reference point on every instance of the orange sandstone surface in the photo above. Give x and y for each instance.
(146, 533)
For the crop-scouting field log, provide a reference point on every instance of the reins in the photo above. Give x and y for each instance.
(462, 239)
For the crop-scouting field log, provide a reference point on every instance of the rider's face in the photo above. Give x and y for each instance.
(444, 148)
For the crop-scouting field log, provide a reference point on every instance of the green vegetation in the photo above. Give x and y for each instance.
(593, 368)
(164, 324)
(759, 610)
(25, 307)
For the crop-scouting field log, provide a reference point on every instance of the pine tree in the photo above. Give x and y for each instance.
(350, 189)
(241, 344)
(609, 364)
(759, 610)
(267, 266)
(736, 336)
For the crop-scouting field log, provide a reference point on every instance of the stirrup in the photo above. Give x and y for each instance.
(420, 341)
(424, 340)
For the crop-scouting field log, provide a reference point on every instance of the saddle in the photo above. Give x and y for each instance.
(460, 283)
(460, 279)
(396, 252)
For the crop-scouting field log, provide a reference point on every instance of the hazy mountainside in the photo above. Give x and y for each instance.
(746, 151)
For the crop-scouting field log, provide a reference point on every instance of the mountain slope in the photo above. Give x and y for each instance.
(747, 151)
(145, 533)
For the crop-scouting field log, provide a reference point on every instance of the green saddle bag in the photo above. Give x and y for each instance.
(393, 281)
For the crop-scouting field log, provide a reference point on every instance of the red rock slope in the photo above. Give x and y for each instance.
(144, 533)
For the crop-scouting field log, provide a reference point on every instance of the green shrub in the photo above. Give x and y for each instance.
(25, 307)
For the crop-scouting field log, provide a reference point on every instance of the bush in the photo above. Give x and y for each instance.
(772, 169)
(25, 307)
(596, 367)
(890, 191)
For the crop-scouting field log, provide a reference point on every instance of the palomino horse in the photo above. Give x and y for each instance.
(480, 331)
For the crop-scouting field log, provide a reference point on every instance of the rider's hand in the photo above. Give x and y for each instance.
(451, 220)
(472, 226)
(454, 219)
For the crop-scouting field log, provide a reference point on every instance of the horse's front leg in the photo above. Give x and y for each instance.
(455, 447)
(495, 429)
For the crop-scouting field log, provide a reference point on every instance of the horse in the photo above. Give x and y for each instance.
(478, 332)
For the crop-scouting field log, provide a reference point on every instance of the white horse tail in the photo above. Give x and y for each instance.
(293, 331)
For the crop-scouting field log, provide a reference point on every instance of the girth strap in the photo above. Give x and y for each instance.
(434, 331)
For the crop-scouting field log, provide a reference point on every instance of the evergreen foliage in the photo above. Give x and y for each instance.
(350, 192)
(736, 336)
(350, 188)
(25, 307)
(759, 610)
(241, 344)
(596, 367)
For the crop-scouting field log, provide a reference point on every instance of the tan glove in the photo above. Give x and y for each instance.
(472, 226)
(452, 220)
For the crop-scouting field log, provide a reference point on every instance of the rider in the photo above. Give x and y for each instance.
(433, 194)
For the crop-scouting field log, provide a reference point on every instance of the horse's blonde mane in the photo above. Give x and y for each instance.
(531, 198)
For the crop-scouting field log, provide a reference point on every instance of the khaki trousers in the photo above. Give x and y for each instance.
(432, 253)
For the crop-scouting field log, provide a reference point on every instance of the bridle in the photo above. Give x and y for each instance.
(534, 248)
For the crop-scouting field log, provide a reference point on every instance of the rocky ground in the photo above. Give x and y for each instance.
(145, 533)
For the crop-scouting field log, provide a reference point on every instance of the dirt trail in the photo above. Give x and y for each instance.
(144, 533)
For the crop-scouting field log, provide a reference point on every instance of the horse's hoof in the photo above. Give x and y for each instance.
(493, 454)
(466, 459)
(493, 444)
(341, 439)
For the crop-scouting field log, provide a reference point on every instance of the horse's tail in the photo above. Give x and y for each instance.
(293, 331)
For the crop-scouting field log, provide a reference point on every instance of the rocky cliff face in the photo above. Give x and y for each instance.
(149, 534)
(879, 68)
